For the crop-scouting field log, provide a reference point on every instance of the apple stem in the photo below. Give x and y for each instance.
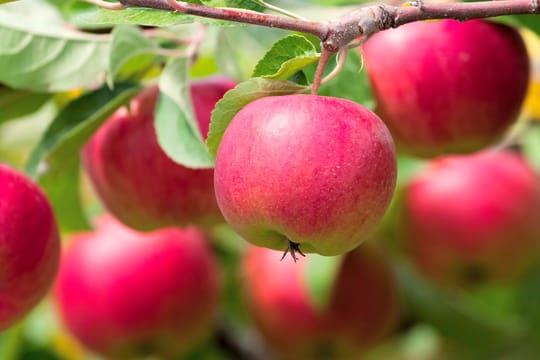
(326, 54)
(293, 249)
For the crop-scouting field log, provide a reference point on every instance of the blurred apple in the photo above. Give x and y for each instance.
(29, 246)
(305, 172)
(363, 308)
(125, 294)
(473, 219)
(447, 86)
(137, 181)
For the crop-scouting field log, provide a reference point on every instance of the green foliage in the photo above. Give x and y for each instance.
(529, 304)
(41, 53)
(90, 17)
(129, 49)
(453, 317)
(286, 57)
(321, 273)
(54, 162)
(87, 16)
(351, 83)
(176, 127)
(244, 4)
(235, 99)
(46, 56)
(18, 103)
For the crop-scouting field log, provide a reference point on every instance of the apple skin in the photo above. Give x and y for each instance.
(447, 86)
(137, 181)
(29, 246)
(364, 306)
(473, 219)
(317, 171)
(124, 294)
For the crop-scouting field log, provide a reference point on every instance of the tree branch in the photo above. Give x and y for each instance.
(365, 21)
(465, 11)
(237, 15)
(338, 33)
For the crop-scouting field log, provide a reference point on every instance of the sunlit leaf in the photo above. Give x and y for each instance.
(18, 103)
(129, 45)
(286, 57)
(48, 56)
(176, 127)
(54, 162)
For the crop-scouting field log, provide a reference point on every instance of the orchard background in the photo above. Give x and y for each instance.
(67, 66)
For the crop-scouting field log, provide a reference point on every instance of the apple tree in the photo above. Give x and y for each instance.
(252, 179)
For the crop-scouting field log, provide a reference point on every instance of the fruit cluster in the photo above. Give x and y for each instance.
(306, 175)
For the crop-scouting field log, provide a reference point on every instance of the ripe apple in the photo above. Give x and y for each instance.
(125, 294)
(447, 86)
(473, 219)
(137, 181)
(29, 246)
(364, 305)
(305, 172)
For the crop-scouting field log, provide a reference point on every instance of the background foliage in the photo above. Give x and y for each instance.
(67, 67)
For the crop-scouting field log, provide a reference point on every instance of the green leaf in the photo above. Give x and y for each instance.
(244, 4)
(18, 103)
(86, 16)
(532, 22)
(47, 56)
(176, 127)
(235, 99)
(129, 45)
(54, 162)
(286, 57)
(529, 21)
(321, 273)
(529, 303)
(530, 143)
(452, 316)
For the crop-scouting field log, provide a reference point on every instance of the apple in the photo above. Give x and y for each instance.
(137, 181)
(124, 294)
(473, 219)
(447, 86)
(363, 308)
(29, 246)
(305, 173)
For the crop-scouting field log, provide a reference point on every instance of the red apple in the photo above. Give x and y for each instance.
(364, 305)
(125, 294)
(447, 86)
(309, 171)
(29, 246)
(472, 219)
(137, 181)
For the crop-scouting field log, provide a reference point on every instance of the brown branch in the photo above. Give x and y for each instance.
(338, 33)
(365, 21)
(465, 11)
(237, 15)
